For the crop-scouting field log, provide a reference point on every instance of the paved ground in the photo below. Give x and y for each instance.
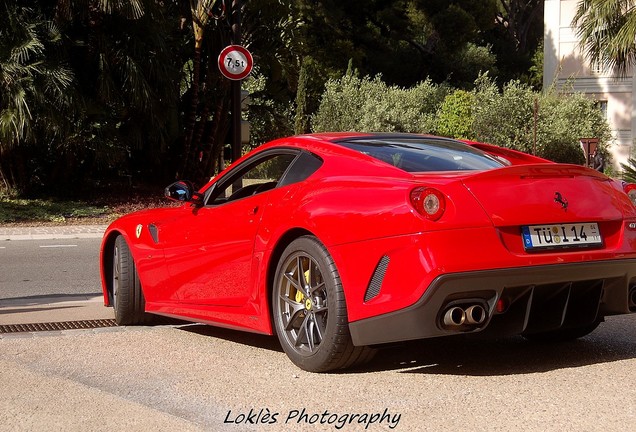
(47, 309)
(190, 378)
(201, 378)
(55, 308)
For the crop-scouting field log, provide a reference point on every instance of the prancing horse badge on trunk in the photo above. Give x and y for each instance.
(558, 198)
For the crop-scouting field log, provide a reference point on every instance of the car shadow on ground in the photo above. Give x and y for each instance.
(474, 356)
(498, 357)
(255, 340)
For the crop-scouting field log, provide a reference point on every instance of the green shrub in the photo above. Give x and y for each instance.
(563, 119)
(455, 116)
(369, 105)
(516, 116)
(503, 118)
(507, 119)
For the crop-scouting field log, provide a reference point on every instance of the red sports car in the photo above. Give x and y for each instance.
(341, 242)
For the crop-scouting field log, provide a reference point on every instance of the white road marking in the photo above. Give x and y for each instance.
(58, 246)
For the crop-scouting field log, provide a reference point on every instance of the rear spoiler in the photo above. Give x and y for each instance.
(539, 170)
(513, 156)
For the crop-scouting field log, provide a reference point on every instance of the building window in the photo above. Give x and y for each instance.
(597, 67)
(602, 106)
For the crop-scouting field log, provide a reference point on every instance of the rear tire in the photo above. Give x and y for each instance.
(309, 310)
(128, 298)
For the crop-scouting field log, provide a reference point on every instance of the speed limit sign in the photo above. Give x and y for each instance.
(235, 62)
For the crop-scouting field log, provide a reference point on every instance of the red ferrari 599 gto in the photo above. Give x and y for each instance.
(341, 242)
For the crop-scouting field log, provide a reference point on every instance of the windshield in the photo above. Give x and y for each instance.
(424, 154)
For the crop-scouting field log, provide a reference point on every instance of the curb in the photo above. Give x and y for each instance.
(52, 232)
(60, 308)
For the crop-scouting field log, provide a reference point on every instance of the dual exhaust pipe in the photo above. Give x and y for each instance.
(471, 314)
(632, 298)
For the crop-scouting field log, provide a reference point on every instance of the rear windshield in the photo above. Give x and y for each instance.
(424, 154)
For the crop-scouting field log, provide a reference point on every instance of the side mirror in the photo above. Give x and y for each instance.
(182, 191)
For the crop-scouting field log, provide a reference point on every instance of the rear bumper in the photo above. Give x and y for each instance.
(533, 300)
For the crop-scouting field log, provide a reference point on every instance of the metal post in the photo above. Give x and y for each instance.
(236, 85)
(534, 123)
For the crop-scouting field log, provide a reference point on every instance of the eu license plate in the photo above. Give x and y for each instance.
(561, 236)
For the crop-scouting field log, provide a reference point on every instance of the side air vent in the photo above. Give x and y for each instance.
(376, 281)
(154, 232)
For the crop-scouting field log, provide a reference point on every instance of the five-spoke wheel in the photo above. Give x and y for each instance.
(309, 309)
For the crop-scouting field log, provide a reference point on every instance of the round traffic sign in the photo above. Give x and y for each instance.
(235, 62)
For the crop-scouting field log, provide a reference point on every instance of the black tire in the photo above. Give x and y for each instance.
(309, 310)
(127, 298)
(562, 335)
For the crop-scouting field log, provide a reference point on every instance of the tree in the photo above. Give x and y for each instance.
(205, 93)
(516, 40)
(278, 94)
(143, 97)
(265, 28)
(370, 105)
(122, 54)
(521, 20)
(607, 32)
(405, 41)
(36, 94)
(506, 118)
(501, 117)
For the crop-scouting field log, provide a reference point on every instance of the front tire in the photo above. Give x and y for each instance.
(309, 310)
(127, 297)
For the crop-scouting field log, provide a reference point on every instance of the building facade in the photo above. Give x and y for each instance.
(566, 67)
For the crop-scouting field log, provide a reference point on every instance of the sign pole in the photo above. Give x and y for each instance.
(236, 85)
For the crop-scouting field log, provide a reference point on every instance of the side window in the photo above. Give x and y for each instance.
(303, 167)
(254, 178)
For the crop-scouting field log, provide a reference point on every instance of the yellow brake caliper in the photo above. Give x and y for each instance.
(300, 298)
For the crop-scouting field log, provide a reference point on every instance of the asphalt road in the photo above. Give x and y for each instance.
(210, 379)
(30, 268)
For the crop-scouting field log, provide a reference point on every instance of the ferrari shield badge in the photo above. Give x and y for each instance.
(138, 231)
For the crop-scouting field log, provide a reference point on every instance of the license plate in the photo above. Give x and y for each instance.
(561, 236)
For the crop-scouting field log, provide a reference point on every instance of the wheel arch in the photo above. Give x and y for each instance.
(106, 264)
(341, 352)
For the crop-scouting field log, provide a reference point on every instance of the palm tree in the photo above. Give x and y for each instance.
(607, 31)
(629, 170)
(123, 53)
(35, 88)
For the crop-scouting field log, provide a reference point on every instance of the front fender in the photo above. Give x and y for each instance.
(146, 253)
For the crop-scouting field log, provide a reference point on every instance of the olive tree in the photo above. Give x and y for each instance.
(369, 105)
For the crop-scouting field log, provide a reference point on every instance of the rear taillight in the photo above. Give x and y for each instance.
(428, 202)
(630, 190)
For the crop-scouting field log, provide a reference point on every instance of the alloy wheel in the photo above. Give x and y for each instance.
(303, 303)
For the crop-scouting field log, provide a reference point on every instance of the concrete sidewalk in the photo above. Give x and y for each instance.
(51, 232)
(57, 308)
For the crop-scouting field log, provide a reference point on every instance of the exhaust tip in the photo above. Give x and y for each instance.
(465, 315)
(475, 315)
(454, 316)
(632, 298)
